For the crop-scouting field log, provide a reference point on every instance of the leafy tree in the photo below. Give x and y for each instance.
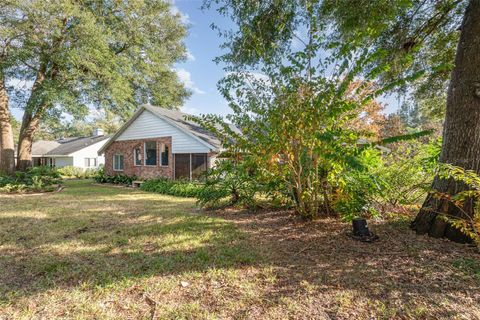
(112, 55)
(300, 117)
(415, 40)
(54, 128)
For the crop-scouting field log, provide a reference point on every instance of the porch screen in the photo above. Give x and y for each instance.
(199, 165)
(182, 166)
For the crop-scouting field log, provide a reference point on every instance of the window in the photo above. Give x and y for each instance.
(118, 162)
(90, 162)
(164, 155)
(151, 153)
(138, 156)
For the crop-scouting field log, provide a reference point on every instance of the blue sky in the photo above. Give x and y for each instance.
(199, 73)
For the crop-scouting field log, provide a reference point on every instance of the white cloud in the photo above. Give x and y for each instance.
(190, 56)
(190, 110)
(185, 18)
(186, 78)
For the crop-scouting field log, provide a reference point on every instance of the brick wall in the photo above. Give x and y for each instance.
(126, 148)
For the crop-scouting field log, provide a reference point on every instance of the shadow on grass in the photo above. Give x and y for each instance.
(101, 236)
(98, 236)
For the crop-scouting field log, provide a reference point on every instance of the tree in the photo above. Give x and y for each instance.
(109, 55)
(416, 40)
(301, 112)
(55, 128)
(461, 134)
(8, 37)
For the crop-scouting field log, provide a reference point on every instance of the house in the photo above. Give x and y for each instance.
(81, 152)
(158, 142)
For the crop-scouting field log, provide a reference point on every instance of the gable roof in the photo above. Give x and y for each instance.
(64, 147)
(177, 119)
(41, 147)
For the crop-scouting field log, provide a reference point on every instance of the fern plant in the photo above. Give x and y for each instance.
(467, 223)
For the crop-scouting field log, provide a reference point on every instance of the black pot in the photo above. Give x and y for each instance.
(360, 227)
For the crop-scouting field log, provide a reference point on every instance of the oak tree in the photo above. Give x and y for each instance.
(79, 55)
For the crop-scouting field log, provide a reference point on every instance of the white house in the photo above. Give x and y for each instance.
(81, 152)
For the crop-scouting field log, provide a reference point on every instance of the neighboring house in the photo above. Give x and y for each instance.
(79, 152)
(157, 142)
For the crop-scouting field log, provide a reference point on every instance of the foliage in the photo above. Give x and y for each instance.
(358, 188)
(230, 182)
(172, 187)
(468, 223)
(303, 111)
(109, 55)
(36, 179)
(77, 172)
(95, 51)
(415, 37)
(54, 128)
(101, 177)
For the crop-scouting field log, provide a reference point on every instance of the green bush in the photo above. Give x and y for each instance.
(358, 186)
(78, 173)
(36, 179)
(407, 174)
(173, 188)
(229, 183)
(101, 177)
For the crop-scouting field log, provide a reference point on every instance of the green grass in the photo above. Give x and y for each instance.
(105, 252)
(82, 251)
(468, 266)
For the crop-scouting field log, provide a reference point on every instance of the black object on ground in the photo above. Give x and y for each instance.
(361, 232)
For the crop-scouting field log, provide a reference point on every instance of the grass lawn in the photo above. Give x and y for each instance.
(115, 253)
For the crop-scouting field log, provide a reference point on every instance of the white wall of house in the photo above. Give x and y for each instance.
(147, 125)
(88, 152)
(63, 161)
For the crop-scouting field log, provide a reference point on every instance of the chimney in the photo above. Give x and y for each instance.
(97, 132)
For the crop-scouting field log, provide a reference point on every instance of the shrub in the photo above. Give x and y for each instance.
(468, 223)
(171, 187)
(406, 175)
(36, 179)
(229, 183)
(378, 182)
(358, 186)
(101, 177)
(77, 172)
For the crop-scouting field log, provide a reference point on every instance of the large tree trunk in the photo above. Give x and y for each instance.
(31, 121)
(30, 124)
(461, 133)
(7, 148)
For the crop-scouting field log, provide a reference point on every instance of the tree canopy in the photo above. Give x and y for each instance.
(74, 56)
(411, 37)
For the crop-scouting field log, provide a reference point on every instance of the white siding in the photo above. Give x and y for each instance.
(148, 125)
(88, 152)
(63, 161)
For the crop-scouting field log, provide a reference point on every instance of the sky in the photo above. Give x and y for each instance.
(199, 72)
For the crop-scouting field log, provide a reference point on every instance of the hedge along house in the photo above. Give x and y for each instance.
(158, 142)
